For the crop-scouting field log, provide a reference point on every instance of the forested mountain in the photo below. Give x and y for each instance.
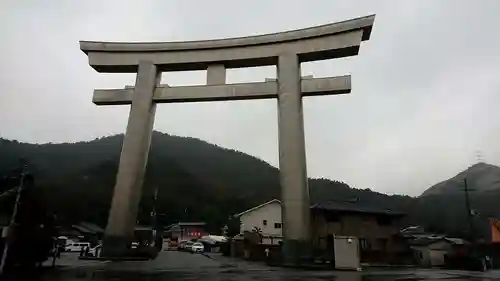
(483, 177)
(442, 206)
(196, 181)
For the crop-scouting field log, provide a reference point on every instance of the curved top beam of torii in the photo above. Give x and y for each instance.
(328, 41)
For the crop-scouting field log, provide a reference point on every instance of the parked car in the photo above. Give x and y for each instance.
(197, 247)
(172, 245)
(76, 246)
(188, 245)
(181, 245)
(64, 241)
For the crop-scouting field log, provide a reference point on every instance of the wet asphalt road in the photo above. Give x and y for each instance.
(185, 266)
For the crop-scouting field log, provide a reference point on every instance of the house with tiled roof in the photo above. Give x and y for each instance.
(377, 229)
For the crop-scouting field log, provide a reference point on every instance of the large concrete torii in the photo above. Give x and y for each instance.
(286, 50)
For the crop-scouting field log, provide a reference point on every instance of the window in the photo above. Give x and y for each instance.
(277, 225)
(264, 222)
(364, 244)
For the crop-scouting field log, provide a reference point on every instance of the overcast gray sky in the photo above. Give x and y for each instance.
(426, 87)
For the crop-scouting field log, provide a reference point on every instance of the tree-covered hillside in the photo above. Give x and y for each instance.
(196, 181)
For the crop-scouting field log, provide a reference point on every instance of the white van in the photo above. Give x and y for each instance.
(76, 246)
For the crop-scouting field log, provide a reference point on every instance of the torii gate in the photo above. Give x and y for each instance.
(286, 50)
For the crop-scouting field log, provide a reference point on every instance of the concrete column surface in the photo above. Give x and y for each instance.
(216, 74)
(133, 159)
(292, 162)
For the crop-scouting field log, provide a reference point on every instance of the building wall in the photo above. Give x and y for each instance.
(272, 240)
(371, 231)
(373, 236)
(433, 254)
(271, 213)
(188, 232)
(440, 245)
(359, 225)
(422, 255)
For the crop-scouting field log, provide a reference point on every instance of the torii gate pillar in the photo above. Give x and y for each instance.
(133, 160)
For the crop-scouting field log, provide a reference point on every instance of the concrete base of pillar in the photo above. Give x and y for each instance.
(115, 246)
(296, 252)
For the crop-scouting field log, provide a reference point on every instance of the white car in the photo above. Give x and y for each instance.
(188, 246)
(197, 247)
(76, 246)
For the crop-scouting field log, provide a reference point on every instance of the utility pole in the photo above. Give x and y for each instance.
(153, 212)
(12, 223)
(469, 212)
(153, 216)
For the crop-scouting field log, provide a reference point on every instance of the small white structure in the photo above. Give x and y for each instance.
(266, 218)
(346, 251)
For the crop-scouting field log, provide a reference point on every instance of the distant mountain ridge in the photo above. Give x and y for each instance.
(482, 177)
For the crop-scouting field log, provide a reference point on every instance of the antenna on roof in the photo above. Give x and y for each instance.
(479, 156)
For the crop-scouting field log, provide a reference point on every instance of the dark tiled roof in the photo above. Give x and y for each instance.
(191, 223)
(82, 229)
(184, 224)
(92, 227)
(143, 228)
(457, 241)
(425, 241)
(354, 207)
(86, 227)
